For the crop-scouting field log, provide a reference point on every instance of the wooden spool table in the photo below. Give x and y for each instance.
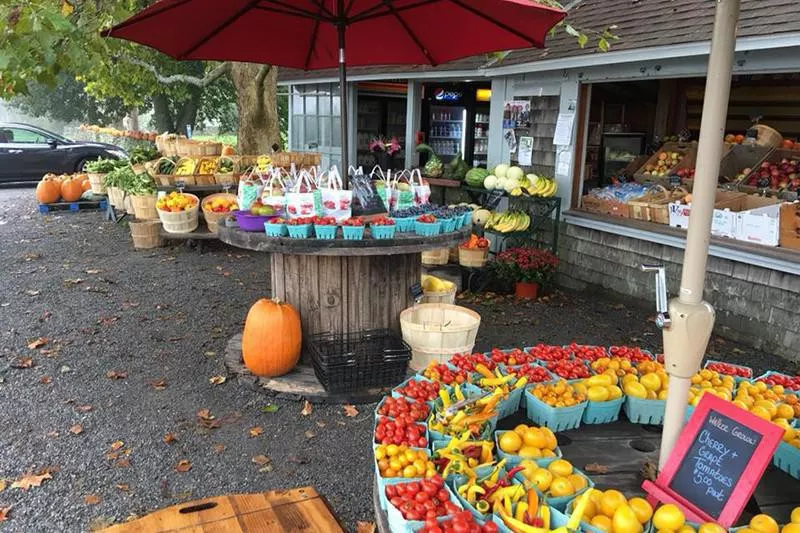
(341, 286)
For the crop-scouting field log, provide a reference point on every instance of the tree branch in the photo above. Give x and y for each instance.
(203, 82)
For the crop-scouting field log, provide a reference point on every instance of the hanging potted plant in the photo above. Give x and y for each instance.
(528, 269)
(384, 150)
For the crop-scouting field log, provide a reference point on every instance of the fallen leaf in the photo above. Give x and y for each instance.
(123, 463)
(350, 410)
(159, 384)
(2, 485)
(270, 408)
(169, 438)
(261, 460)
(4, 513)
(210, 354)
(219, 448)
(93, 271)
(297, 459)
(116, 445)
(106, 320)
(31, 292)
(50, 352)
(77, 429)
(76, 281)
(37, 343)
(309, 434)
(321, 423)
(91, 499)
(595, 468)
(307, 408)
(184, 465)
(207, 419)
(341, 422)
(53, 434)
(64, 369)
(217, 380)
(30, 480)
(22, 362)
(255, 431)
(365, 527)
(45, 380)
(124, 487)
(83, 408)
(113, 374)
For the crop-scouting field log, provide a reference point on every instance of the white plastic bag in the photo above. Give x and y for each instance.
(336, 201)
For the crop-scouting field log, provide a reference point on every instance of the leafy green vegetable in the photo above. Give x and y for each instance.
(141, 184)
(143, 153)
(103, 166)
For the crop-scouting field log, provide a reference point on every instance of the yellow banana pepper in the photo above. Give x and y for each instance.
(445, 398)
(459, 394)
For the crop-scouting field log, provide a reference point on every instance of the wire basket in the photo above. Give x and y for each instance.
(355, 361)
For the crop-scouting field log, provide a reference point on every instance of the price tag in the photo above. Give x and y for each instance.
(416, 292)
(674, 180)
(180, 185)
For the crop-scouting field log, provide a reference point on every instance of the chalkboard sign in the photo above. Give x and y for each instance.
(415, 292)
(717, 462)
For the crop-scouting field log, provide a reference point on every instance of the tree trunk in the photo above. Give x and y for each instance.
(256, 99)
(134, 114)
(162, 116)
(187, 114)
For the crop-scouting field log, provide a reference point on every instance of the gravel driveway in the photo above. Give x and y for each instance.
(129, 343)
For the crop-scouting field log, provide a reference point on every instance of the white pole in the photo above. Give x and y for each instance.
(686, 339)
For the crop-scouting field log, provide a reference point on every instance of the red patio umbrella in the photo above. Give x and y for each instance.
(312, 34)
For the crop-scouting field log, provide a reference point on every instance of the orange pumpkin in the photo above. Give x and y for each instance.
(48, 190)
(272, 338)
(85, 186)
(71, 189)
(228, 150)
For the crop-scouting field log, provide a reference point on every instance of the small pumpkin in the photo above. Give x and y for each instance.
(228, 150)
(71, 189)
(86, 186)
(272, 338)
(48, 190)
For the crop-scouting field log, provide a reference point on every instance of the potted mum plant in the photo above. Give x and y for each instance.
(527, 268)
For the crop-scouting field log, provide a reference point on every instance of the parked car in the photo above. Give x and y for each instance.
(27, 153)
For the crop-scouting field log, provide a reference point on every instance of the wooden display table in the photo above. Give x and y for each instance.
(339, 286)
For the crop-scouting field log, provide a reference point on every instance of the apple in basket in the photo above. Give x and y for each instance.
(220, 205)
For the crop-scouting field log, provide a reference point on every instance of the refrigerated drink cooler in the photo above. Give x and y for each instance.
(617, 151)
(448, 125)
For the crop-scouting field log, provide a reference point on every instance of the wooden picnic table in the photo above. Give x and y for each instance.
(341, 286)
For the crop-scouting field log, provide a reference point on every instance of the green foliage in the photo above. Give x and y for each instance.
(143, 153)
(102, 166)
(68, 102)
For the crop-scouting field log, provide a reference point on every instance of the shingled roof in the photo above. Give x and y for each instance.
(639, 24)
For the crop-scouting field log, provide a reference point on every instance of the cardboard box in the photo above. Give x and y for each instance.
(723, 220)
(790, 226)
(760, 225)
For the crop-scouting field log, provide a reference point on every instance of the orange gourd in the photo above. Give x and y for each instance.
(48, 190)
(85, 185)
(71, 189)
(228, 150)
(272, 338)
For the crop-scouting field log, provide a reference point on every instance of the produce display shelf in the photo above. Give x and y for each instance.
(193, 188)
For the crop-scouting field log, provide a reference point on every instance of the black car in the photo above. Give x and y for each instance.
(27, 153)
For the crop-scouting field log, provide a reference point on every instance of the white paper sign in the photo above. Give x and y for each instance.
(563, 162)
(563, 133)
(525, 151)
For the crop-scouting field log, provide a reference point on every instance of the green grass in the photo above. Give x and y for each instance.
(225, 139)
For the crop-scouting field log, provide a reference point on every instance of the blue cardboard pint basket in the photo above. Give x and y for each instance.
(427, 229)
(303, 231)
(383, 232)
(603, 412)
(467, 218)
(416, 377)
(383, 481)
(481, 472)
(405, 224)
(554, 418)
(737, 379)
(448, 224)
(557, 520)
(513, 459)
(275, 230)
(325, 232)
(469, 391)
(508, 406)
(561, 502)
(640, 411)
(398, 524)
(353, 233)
(787, 458)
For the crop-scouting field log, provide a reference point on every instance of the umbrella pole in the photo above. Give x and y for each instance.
(686, 338)
(343, 98)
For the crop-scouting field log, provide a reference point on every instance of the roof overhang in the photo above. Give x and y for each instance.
(702, 48)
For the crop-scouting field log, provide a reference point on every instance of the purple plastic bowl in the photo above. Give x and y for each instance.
(250, 222)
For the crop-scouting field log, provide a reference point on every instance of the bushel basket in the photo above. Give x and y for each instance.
(352, 362)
